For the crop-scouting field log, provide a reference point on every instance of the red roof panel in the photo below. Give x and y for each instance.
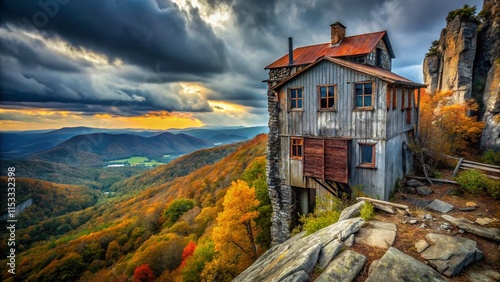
(349, 46)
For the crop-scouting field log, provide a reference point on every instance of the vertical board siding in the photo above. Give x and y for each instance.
(372, 126)
(336, 160)
(314, 161)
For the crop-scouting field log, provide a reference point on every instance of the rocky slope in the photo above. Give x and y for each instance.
(466, 60)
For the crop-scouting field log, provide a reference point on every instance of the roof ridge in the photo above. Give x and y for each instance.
(363, 34)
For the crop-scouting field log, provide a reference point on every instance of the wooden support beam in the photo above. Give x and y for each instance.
(480, 167)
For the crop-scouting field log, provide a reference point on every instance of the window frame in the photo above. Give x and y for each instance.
(411, 94)
(364, 108)
(388, 97)
(318, 91)
(296, 109)
(374, 154)
(403, 94)
(300, 144)
(394, 98)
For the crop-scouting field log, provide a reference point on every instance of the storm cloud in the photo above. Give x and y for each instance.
(133, 57)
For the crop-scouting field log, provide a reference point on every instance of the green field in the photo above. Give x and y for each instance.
(135, 161)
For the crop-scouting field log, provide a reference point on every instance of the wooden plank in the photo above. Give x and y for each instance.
(457, 167)
(336, 160)
(314, 157)
(400, 206)
(464, 164)
(481, 166)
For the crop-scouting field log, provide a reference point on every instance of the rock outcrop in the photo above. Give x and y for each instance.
(396, 266)
(466, 60)
(450, 254)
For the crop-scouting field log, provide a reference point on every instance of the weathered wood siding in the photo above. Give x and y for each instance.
(344, 122)
(386, 128)
(396, 118)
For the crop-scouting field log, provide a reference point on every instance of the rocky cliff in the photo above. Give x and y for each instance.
(466, 60)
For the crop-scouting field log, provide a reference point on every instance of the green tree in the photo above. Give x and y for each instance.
(176, 209)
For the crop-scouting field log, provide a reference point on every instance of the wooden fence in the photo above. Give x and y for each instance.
(492, 171)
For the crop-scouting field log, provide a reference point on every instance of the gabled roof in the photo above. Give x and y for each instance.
(349, 46)
(363, 68)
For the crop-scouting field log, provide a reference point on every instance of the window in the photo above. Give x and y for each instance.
(378, 61)
(296, 148)
(364, 95)
(367, 155)
(295, 98)
(326, 97)
(394, 98)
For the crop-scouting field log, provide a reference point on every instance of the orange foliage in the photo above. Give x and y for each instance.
(445, 127)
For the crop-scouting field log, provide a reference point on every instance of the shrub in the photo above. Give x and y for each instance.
(491, 157)
(327, 212)
(177, 208)
(466, 13)
(476, 183)
(143, 273)
(367, 212)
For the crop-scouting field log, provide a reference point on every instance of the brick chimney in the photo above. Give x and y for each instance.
(338, 33)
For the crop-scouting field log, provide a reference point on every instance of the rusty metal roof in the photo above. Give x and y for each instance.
(363, 68)
(350, 46)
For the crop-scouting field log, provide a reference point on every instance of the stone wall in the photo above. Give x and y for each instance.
(281, 195)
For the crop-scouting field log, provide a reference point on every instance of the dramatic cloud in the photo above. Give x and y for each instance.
(204, 58)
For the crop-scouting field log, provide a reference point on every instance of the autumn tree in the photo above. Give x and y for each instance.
(187, 253)
(143, 273)
(446, 127)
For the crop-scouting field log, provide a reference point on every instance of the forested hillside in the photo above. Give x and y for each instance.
(166, 231)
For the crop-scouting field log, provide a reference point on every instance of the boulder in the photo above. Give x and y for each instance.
(440, 206)
(328, 252)
(469, 226)
(421, 245)
(345, 267)
(396, 266)
(349, 241)
(286, 261)
(424, 191)
(414, 183)
(351, 211)
(377, 234)
(450, 254)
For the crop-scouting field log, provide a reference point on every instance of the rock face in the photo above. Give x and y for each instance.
(345, 267)
(466, 60)
(288, 261)
(450, 254)
(451, 67)
(396, 266)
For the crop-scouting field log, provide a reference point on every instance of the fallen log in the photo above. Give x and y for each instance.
(434, 180)
(405, 207)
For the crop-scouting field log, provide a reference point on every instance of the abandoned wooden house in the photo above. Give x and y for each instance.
(338, 119)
